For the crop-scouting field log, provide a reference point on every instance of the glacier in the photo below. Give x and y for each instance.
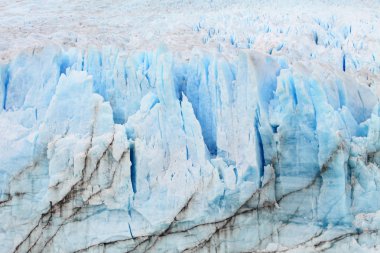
(103, 152)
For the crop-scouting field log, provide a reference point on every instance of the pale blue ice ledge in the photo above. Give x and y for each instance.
(101, 152)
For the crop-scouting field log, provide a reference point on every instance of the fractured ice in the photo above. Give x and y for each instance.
(151, 153)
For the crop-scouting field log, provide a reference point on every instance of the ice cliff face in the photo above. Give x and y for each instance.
(150, 153)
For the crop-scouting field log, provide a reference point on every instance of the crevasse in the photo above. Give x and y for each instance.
(153, 153)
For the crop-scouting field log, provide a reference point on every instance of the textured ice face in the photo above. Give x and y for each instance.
(151, 153)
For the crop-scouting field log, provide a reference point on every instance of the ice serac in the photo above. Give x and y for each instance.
(149, 153)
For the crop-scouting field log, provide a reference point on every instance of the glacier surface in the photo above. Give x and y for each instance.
(153, 153)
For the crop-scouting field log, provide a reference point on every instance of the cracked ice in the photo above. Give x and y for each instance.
(154, 152)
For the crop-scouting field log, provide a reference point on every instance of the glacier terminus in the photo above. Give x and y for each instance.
(236, 144)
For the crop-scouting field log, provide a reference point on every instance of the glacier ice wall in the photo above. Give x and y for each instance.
(150, 153)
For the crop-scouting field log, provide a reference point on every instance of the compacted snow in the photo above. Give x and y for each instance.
(189, 126)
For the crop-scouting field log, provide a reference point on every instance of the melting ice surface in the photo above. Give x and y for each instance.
(150, 153)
